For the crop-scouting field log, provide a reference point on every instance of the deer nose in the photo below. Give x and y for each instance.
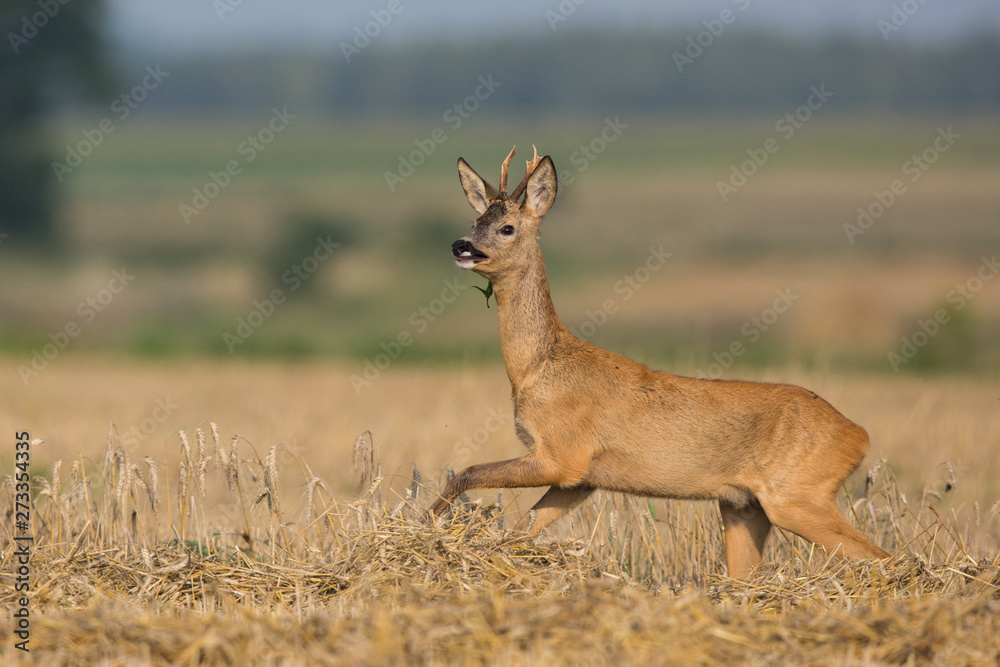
(460, 246)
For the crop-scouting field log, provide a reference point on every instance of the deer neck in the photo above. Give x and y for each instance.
(527, 318)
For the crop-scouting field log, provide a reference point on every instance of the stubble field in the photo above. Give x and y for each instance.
(301, 539)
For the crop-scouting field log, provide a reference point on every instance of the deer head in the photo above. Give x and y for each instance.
(505, 229)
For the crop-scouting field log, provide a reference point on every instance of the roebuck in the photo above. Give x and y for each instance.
(592, 419)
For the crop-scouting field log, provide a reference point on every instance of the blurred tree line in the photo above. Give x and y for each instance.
(51, 55)
(628, 73)
(54, 56)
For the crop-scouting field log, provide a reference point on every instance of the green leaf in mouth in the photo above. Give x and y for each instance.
(487, 292)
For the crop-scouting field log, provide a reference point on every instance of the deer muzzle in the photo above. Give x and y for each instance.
(467, 256)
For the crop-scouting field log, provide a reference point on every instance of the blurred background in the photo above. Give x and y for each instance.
(118, 121)
(744, 185)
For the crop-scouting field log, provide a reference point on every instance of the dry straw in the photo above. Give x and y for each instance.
(368, 581)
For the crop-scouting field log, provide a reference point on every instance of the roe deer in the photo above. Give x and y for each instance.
(592, 419)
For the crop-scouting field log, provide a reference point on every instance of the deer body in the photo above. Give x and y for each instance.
(593, 419)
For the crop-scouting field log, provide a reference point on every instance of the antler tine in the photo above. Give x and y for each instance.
(528, 171)
(503, 170)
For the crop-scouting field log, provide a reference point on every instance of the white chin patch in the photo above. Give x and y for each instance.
(465, 263)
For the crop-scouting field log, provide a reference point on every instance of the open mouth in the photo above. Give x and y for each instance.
(467, 255)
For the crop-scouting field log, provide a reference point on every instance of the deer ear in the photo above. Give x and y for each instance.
(477, 191)
(540, 192)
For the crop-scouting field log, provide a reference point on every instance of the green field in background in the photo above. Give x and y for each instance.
(655, 183)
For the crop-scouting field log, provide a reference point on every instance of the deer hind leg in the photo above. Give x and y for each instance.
(747, 528)
(556, 503)
(822, 523)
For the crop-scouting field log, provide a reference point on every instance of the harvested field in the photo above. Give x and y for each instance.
(210, 561)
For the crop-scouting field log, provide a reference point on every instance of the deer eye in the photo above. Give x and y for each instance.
(507, 230)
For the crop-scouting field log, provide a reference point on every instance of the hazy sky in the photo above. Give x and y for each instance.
(195, 25)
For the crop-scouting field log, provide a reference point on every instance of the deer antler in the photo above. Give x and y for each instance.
(503, 171)
(528, 170)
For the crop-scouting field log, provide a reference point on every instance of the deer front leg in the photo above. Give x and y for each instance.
(527, 471)
(556, 503)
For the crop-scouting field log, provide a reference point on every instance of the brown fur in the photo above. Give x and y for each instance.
(592, 419)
